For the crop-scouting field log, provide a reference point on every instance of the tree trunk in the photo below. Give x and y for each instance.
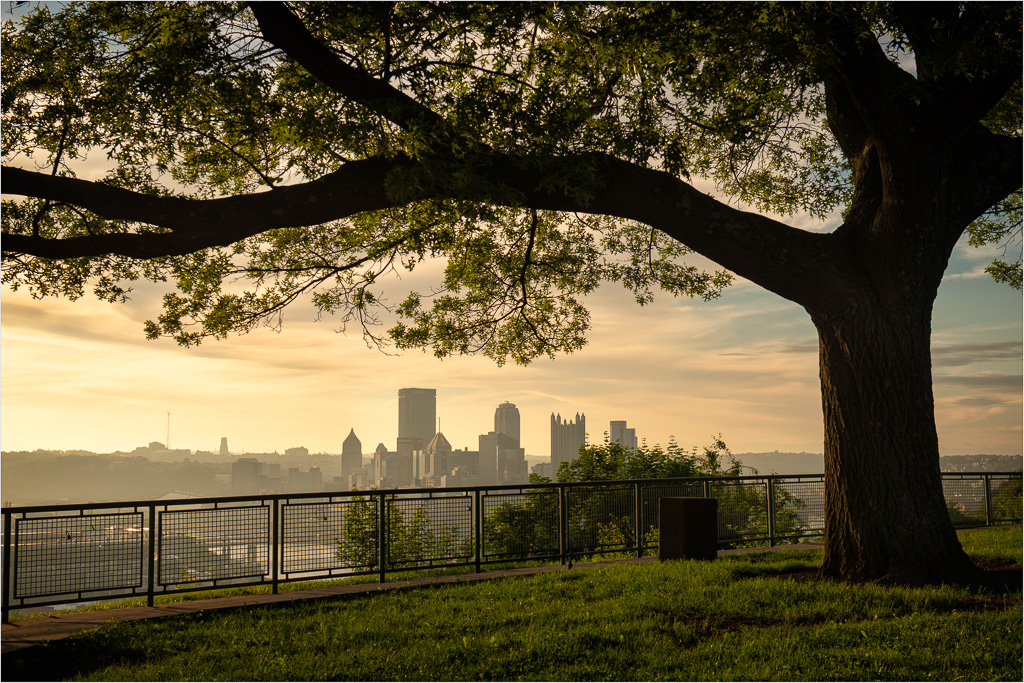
(886, 518)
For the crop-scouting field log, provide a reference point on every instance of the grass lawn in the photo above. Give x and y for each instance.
(750, 617)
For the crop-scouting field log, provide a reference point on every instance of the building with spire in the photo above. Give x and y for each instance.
(566, 438)
(431, 464)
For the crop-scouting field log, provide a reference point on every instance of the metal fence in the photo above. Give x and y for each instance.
(63, 554)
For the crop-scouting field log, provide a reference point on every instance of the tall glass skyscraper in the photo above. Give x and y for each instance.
(506, 420)
(417, 414)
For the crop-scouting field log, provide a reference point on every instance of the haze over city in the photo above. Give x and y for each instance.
(81, 375)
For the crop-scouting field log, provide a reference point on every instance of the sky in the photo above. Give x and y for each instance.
(81, 375)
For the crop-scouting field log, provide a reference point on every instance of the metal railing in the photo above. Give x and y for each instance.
(61, 554)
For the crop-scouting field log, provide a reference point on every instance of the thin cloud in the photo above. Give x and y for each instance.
(954, 355)
(1009, 384)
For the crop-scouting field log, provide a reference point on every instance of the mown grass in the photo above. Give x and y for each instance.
(740, 618)
(210, 594)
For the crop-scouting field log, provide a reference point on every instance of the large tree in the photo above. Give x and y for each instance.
(540, 149)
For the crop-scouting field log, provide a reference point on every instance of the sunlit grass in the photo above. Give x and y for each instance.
(741, 618)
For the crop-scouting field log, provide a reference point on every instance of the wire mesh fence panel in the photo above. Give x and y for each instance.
(742, 511)
(965, 499)
(213, 544)
(63, 555)
(311, 537)
(429, 531)
(520, 525)
(357, 547)
(799, 508)
(600, 519)
(1006, 498)
(56, 553)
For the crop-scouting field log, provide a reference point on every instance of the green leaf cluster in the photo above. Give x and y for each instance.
(192, 100)
(613, 461)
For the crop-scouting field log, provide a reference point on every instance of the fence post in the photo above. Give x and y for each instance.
(151, 588)
(562, 524)
(7, 568)
(637, 523)
(771, 510)
(478, 523)
(988, 500)
(382, 551)
(275, 549)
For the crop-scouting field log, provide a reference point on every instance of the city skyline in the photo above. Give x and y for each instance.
(81, 375)
(744, 366)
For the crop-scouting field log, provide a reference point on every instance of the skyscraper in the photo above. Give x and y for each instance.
(351, 454)
(566, 439)
(417, 414)
(224, 446)
(506, 420)
(499, 458)
(622, 435)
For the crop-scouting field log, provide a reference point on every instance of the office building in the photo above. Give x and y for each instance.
(388, 468)
(501, 461)
(622, 435)
(438, 451)
(351, 454)
(506, 420)
(248, 476)
(417, 414)
(566, 438)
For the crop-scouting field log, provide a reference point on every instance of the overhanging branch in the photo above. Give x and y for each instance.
(194, 224)
(735, 239)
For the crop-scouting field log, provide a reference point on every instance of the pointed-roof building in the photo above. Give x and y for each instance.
(566, 438)
(351, 454)
(437, 452)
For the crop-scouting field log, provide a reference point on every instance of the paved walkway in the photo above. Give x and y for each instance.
(23, 633)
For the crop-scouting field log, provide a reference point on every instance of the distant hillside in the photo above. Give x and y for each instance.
(814, 463)
(782, 463)
(980, 463)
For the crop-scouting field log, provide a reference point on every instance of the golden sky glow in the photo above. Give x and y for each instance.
(80, 375)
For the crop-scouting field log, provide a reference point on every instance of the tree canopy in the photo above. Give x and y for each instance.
(487, 135)
(257, 153)
(613, 461)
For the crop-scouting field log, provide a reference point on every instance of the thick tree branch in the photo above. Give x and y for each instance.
(961, 86)
(284, 30)
(195, 224)
(735, 239)
(877, 91)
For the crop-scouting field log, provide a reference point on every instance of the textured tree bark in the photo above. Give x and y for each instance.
(885, 517)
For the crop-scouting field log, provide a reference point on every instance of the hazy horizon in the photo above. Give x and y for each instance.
(81, 375)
